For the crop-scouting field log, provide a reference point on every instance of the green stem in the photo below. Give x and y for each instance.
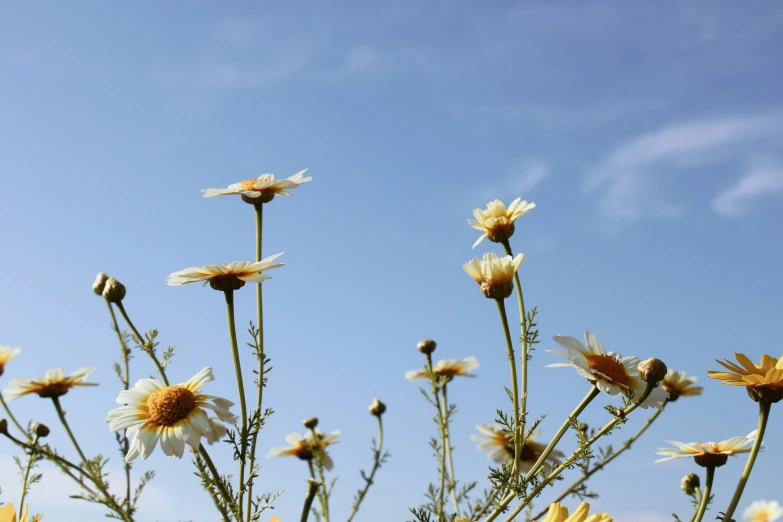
(219, 482)
(224, 516)
(61, 414)
(13, 419)
(312, 489)
(23, 492)
(315, 480)
(699, 497)
(514, 386)
(376, 465)
(764, 408)
(486, 505)
(442, 464)
(232, 332)
(143, 343)
(705, 498)
(324, 495)
(447, 445)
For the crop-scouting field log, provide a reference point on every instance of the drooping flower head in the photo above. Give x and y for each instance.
(6, 354)
(764, 382)
(708, 453)
(8, 514)
(497, 221)
(500, 444)
(679, 386)
(54, 383)
(558, 513)
(609, 371)
(308, 447)
(763, 511)
(494, 274)
(262, 189)
(232, 276)
(174, 415)
(446, 368)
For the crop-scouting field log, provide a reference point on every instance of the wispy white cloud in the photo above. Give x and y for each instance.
(529, 176)
(758, 182)
(519, 181)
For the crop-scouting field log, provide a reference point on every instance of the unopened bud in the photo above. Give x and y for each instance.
(3, 426)
(100, 282)
(377, 408)
(652, 370)
(41, 430)
(427, 346)
(620, 413)
(310, 423)
(113, 291)
(689, 483)
(583, 427)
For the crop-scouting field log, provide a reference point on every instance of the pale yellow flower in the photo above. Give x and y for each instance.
(763, 381)
(448, 368)
(54, 383)
(763, 511)
(262, 189)
(174, 415)
(498, 441)
(497, 221)
(708, 453)
(305, 447)
(232, 276)
(677, 385)
(494, 274)
(558, 513)
(6, 354)
(8, 514)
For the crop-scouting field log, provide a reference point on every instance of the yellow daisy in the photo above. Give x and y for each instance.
(494, 274)
(558, 513)
(498, 441)
(8, 514)
(448, 368)
(305, 447)
(763, 511)
(679, 386)
(497, 221)
(232, 276)
(763, 382)
(708, 453)
(175, 415)
(609, 371)
(262, 189)
(6, 354)
(54, 383)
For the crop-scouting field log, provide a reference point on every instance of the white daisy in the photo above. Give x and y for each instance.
(175, 415)
(305, 447)
(448, 368)
(54, 383)
(6, 354)
(232, 276)
(494, 274)
(763, 511)
(677, 385)
(609, 371)
(497, 221)
(708, 453)
(498, 441)
(262, 189)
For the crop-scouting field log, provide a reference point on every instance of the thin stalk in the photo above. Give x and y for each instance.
(26, 477)
(514, 386)
(486, 505)
(447, 445)
(315, 480)
(61, 414)
(705, 498)
(126, 383)
(232, 332)
(376, 465)
(13, 419)
(523, 326)
(312, 489)
(764, 408)
(225, 517)
(699, 496)
(218, 481)
(442, 463)
(142, 342)
(324, 495)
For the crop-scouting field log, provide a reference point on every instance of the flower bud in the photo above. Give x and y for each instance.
(377, 408)
(100, 282)
(619, 412)
(583, 427)
(3, 426)
(652, 370)
(689, 483)
(113, 291)
(427, 346)
(40, 430)
(310, 423)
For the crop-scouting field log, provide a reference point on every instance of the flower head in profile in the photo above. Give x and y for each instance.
(6, 354)
(763, 511)
(232, 276)
(494, 274)
(54, 383)
(764, 381)
(308, 447)
(497, 221)
(446, 368)
(174, 415)
(708, 453)
(677, 385)
(609, 371)
(500, 444)
(8, 514)
(558, 513)
(262, 189)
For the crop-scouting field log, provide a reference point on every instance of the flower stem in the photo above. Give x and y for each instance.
(376, 465)
(13, 419)
(324, 495)
(26, 477)
(224, 516)
(232, 332)
(321, 500)
(514, 386)
(219, 482)
(447, 446)
(143, 343)
(705, 498)
(312, 489)
(61, 414)
(442, 463)
(764, 408)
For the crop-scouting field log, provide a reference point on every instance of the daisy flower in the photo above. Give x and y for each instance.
(499, 442)
(609, 371)
(6, 354)
(232, 276)
(8, 514)
(448, 368)
(763, 511)
(679, 386)
(53, 384)
(175, 415)
(558, 513)
(497, 221)
(494, 274)
(763, 381)
(305, 447)
(262, 189)
(708, 453)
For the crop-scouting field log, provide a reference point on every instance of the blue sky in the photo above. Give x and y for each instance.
(648, 135)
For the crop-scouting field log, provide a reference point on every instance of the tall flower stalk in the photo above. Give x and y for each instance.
(232, 332)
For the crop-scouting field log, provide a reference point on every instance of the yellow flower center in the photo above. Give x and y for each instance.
(709, 447)
(170, 405)
(611, 367)
(449, 371)
(762, 516)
